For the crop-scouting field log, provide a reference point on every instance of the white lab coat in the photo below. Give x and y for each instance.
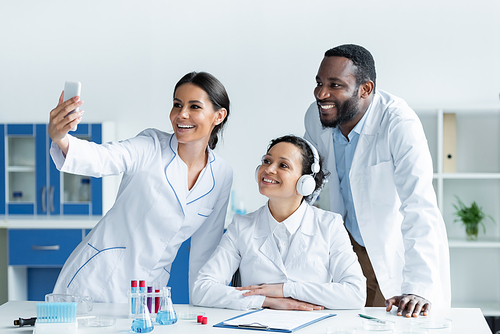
(153, 215)
(320, 268)
(395, 203)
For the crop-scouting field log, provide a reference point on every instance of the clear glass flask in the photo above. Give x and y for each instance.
(142, 321)
(166, 314)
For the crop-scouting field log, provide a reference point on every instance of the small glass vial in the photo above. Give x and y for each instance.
(84, 191)
(166, 314)
(17, 195)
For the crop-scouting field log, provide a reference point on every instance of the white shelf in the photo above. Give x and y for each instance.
(20, 169)
(487, 243)
(49, 222)
(470, 176)
(471, 111)
(467, 176)
(475, 265)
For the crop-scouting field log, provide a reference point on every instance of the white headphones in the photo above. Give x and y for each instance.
(306, 184)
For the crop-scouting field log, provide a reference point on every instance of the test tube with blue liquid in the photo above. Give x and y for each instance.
(133, 299)
(166, 314)
(142, 288)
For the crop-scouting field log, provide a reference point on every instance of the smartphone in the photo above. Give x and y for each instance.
(72, 89)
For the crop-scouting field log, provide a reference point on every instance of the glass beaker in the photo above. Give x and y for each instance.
(85, 303)
(166, 314)
(142, 321)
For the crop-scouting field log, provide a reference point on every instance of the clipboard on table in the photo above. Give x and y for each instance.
(274, 320)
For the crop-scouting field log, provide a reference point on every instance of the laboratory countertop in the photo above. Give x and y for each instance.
(464, 320)
(48, 222)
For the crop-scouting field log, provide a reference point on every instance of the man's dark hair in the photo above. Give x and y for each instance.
(361, 58)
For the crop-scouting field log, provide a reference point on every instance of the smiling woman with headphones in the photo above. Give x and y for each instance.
(290, 254)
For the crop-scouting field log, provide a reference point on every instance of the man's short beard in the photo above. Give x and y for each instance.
(345, 112)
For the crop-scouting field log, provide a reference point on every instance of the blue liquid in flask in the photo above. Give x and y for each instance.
(166, 317)
(142, 326)
(142, 322)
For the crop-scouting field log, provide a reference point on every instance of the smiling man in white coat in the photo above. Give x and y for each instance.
(381, 183)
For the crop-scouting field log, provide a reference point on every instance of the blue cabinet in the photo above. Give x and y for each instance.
(42, 247)
(179, 275)
(43, 252)
(32, 185)
(41, 281)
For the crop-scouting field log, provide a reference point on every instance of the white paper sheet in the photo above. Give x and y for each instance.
(277, 319)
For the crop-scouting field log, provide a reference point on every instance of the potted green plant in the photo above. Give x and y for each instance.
(471, 217)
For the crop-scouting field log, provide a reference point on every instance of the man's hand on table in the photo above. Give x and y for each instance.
(409, 305)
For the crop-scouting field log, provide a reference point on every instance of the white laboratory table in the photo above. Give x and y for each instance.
(464, 320)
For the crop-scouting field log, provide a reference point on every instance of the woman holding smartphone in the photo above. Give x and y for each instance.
(173, 187)
(290, 254)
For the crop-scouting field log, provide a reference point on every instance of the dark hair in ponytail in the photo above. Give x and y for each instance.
(217, 94)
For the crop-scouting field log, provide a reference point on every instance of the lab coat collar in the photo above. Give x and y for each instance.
(307, 227)
(372, 119)
(298, 243)
(268, 247)
(205, 183)
(304, 234)
(359, 126)
(292, 223)
(370, 129)
(262, 228)
(176, 174)
(174, 145)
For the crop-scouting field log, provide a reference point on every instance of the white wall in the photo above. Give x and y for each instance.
(129, 54)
